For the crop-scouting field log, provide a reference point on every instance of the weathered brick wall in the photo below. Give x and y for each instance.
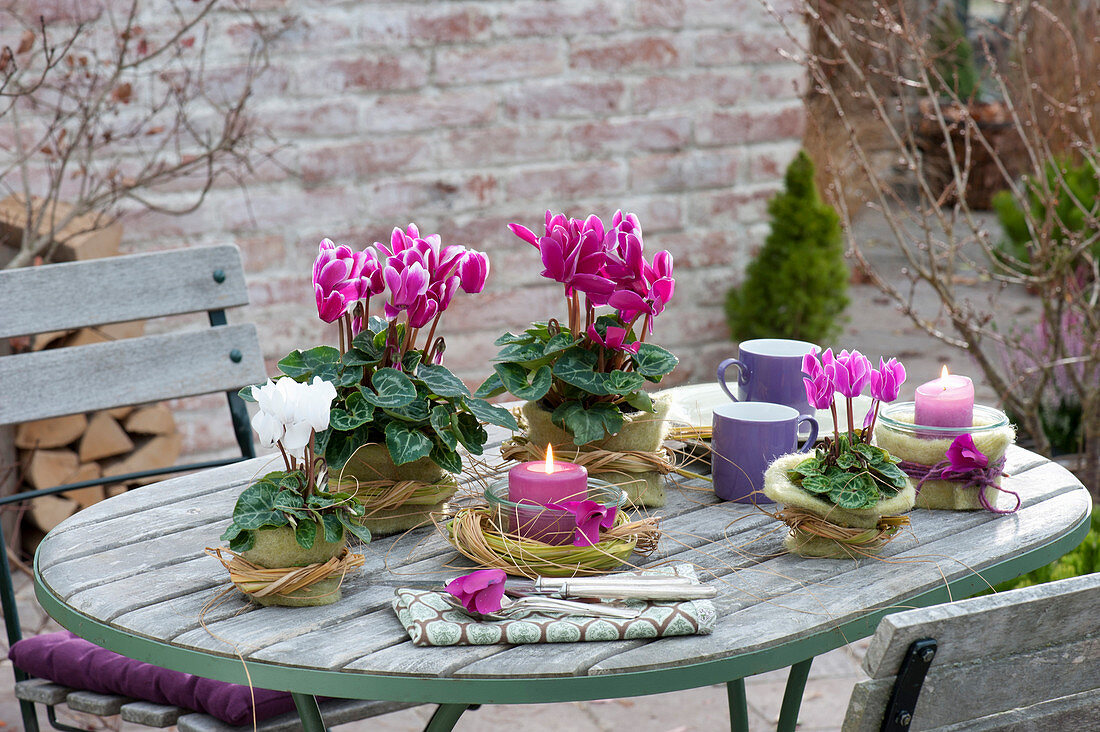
(463, 116)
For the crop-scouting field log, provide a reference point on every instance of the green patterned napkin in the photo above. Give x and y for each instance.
(430, 621)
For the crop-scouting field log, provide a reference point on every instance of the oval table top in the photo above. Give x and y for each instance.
(130, 574)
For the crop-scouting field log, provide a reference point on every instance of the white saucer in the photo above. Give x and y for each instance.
(694, 406)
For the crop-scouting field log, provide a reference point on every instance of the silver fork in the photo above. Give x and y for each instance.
(510, 608)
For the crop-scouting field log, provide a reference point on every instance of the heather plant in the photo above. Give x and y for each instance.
(796, 287)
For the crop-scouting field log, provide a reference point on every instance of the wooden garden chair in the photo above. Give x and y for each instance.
(64, 381)
(1027, 659)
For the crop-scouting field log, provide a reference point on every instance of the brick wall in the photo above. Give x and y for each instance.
(464, 116)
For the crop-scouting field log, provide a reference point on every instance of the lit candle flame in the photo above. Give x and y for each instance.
(943, 373)
(549, 459)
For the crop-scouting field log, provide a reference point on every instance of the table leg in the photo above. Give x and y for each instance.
(739, 705)
(309, 712)
(792, 696)
(445, 717)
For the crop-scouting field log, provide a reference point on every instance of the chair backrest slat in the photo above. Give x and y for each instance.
(1028, 654)
(64, 381)
(119, 289)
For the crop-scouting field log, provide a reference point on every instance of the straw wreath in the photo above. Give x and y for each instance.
(257, 581)
(596, 460)
(856, 538)
(472, 532)
(382, 495)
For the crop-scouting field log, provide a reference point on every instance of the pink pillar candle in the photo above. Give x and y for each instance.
(544, 482)
(945, 402)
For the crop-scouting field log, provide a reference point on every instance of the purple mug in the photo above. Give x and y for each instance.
(746, 437)
(769, 370)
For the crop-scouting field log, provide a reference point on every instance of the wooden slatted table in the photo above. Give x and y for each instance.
(130, 574)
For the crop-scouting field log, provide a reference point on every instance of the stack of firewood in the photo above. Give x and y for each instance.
(84, 447)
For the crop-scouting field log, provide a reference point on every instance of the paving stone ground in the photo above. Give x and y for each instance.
(876, 328)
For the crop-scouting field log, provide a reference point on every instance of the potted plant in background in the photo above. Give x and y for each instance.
(583, 379)
(844, 498)
(286, 521)
(399, 416)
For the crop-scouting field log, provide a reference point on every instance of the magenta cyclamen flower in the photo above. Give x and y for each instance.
(965, 456)
(473, 270)
(405, 286)
(859, 371)
(615, 339)
(591, 516)
(481, 591)
(886, 380)
(572, 253)
(819, 391)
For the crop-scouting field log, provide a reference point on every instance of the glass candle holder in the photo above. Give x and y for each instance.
(540, 523)
(899, 417)
(922, 450)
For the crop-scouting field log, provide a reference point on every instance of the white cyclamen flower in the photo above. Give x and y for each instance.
(269, 429)
(315, 404)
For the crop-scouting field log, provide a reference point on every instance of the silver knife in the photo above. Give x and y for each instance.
(641, 587)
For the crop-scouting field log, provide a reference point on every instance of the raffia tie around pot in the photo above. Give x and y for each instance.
(822, 529)
(922, 458)
(396, 497)
(294, 586)
(634, 459)
(474, 534)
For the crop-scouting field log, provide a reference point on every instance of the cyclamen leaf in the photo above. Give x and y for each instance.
(334, 530)
(406, 445)
(360, 532)
(321, 361)
(848, 460)
(306, 533)
(255, 506)
(624, 382)
(509, 338)
(652, 360)
(577, 366)
(414, 412)
(491, 387)
(520, 353)
(356, 411)
(448, 459)
(641, 401)
(514, 377)
(470, 433)
(443, 426)
(816, 484)
(854, 490)
(587, 425)
(393, 388)
(491, 413)
(242, 542)
(808, 467)
(246, 394)
(441, 382)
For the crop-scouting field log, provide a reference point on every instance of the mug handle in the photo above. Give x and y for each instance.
(722, 368)
(813, 431)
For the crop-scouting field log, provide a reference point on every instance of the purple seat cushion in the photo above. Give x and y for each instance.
(69, 660)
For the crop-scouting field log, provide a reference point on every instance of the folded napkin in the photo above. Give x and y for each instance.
(431, 621)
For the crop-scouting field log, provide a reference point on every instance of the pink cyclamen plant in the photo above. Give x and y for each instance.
(848, 374)
(607, 265)
(416, 276)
